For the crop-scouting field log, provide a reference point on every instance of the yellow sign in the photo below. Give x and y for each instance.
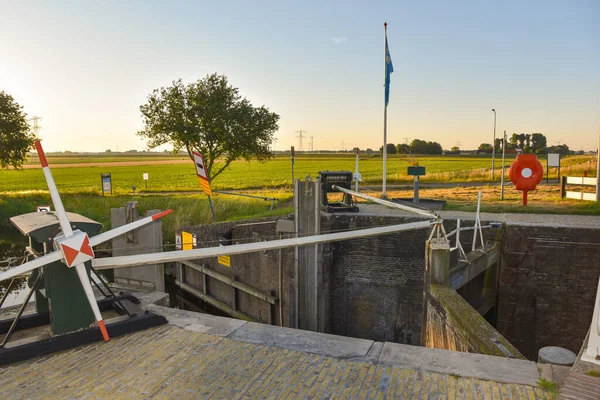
(225, 260)
(205, 186)
(187, 240)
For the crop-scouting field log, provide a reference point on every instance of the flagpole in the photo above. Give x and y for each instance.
(598, 166)
(384, 190)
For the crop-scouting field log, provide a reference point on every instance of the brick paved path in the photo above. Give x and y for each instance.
(169, 362)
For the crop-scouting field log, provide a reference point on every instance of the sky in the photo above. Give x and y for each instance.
(85, 67)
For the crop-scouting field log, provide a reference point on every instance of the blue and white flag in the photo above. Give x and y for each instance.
(389, 68)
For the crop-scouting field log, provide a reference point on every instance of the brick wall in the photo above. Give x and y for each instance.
(376, 284)
(548, 283)
(259, 269)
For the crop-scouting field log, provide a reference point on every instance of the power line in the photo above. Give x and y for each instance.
(36, 127)
(300, 137)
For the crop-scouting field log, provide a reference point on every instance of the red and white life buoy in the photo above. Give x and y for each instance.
(525, 173)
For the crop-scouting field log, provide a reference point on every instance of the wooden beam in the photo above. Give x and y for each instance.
(214, 302)
(231, 282)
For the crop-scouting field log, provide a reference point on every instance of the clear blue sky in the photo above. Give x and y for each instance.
(86, 67)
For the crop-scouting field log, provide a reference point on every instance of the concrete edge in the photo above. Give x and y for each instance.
(468, 365)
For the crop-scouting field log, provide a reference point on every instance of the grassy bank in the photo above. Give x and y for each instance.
(187, 210)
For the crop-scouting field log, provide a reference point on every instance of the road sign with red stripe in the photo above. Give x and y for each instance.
(200, 166)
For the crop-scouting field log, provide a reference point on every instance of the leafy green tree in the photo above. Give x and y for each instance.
(561, 149)
(498, 145)
(211, 117)
(16, 138)
(485, 148)
(538, 143)
(403, 148)
(391, 148)
(418, 146)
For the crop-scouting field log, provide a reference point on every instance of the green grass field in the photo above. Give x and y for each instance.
(274, 174)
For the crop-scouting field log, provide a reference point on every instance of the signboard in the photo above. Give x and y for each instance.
(224, 260)
(43, 208)
(200, 166)
(205, 187)
(201, 172)
(146, 176)
(553, 160)
(416, 171)
(187, 240)
(178, 241)
(106, 183)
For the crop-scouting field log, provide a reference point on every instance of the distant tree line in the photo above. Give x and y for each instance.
(417, 146)
(534, 143)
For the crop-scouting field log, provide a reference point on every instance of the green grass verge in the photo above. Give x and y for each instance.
(187, 210)
(549, 387)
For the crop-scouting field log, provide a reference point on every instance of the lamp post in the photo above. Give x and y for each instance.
(494, 144)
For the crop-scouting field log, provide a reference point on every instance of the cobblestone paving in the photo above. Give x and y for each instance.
(169, 362)
(573, 221)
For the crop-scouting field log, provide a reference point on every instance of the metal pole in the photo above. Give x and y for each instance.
(356, 183)
(494, 144)
(597, 168)
(419, 211)
(293, 162)
(212, 209)
(503, 158)
(384, 189)
(416, 191)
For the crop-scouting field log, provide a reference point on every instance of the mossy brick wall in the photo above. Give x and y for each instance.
(548, 282)
(452, 324)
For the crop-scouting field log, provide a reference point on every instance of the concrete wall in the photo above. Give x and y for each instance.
(144, 240)
(548, 283)
(452, 324)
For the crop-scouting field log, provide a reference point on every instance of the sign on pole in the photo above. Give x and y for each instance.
(553, 160)
(106, 183)
(178, 241)
(204, 182)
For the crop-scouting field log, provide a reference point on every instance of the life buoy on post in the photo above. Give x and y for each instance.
(525, 173)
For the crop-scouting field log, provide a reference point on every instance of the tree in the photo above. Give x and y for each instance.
(391, 148)
(16, 138)
(418, 146)
(209, 116)
(108, 151)
(403, 148)
(561, 149)
(485, 148)
(538, 143)
(498, 145)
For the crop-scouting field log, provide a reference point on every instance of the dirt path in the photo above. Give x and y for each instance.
(110, 164)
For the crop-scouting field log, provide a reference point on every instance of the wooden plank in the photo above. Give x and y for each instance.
(214, 302)
(232, 282)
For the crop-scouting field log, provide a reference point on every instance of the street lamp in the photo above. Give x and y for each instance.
(494, 144)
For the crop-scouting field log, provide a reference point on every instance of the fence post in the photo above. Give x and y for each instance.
(563, 185)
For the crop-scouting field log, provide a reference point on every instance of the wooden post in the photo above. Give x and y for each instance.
(563, 185)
